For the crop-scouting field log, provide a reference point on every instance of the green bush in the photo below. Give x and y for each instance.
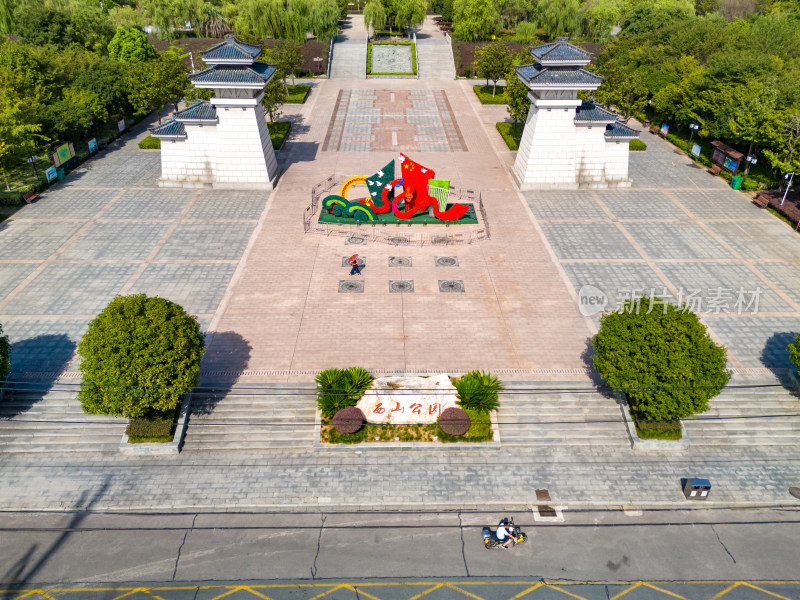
(794, 352)
(478, 390)
(340, 388)
(662, 357)
(468, 72)
(159, 428)
(150, 143)
(484, 94)
(5, 352)
(637, 145)
(298, 94)
(656, 430)
(278, 130)
(511, 133)
(139, 357)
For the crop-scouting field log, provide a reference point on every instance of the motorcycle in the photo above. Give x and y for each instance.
(490, 538)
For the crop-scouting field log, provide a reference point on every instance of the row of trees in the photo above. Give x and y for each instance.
(738, 80)
(590, 20)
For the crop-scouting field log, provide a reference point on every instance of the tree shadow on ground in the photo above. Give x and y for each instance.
(227, 355)
(36, 364)
(295, 152)
(775, 357)
(25, 569)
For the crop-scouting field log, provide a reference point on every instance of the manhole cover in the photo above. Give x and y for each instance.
(399, 240)
(399, 261)
(351, 287)
(547, 511)
(543, 495)
(446, 261)
(356, 240)
(454, 285)
(795, 491)
(361, 261)
(441, 240)
(401, 287)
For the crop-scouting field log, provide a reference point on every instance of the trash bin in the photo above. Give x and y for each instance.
(736, 182)
(60, 173)
(696, 489)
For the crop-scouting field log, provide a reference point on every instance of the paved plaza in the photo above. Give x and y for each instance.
(273, 303)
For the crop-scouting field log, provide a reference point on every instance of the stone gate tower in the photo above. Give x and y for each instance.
(568, 143)
(222, 143)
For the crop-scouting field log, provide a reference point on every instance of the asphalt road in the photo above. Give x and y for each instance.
(50, 548)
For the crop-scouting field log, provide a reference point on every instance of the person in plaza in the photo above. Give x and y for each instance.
(356, 270)
(504, 535)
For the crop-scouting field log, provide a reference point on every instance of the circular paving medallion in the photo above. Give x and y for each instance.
(451, 286)
(350, 286)
(399, 261)
(446, 261)
(354, 239)
(401, 286)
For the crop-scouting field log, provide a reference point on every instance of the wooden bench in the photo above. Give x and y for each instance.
(29, 197)
(761, 201)
(715, 170)
(654, 130)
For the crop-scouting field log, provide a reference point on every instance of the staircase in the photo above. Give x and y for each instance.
(49, 418)
(252, 417)
(349, 59)
(559, 414)
(435, 59)
(754, 416)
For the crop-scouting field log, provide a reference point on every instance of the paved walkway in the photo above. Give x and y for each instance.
(350, 50)
(434, 53)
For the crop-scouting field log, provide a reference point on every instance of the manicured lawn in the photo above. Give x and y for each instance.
(278, 132)
(298, 93)
(484, 94)
(512, 133)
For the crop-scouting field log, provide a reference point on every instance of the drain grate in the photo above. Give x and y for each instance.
(543, 495)
(451, 285)
(401, 286)
(399, 240)
(356, 240)
(546, 512)
(446, 261)
(399, 261)
(442, 240)
(360, 260)
(351, 287)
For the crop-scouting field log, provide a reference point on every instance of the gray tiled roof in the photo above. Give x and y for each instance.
(620, 131)
(557, 76)
(171, 128)
(588, 112)
(560, 51)
(257, 73)
(199, 111)
(231, 50)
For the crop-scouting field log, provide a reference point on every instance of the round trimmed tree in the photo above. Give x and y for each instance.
(794, 351)
(5, 353)
(139, 357)
(662, 357)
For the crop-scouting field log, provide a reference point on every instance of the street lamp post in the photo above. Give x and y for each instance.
(751, 160)
(788, 177)
(694, 127)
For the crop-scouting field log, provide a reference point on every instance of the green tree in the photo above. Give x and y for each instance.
(662, 357)
(156, 83)
(274, 97)
(6, 15)
(517, 96)
(558, 17)
(5, 355)
(784, 156)
(323, 18)
(751, 117)
(139, 357)
(166, 15)
(597, 17)
(493, 61)
(212, 23)
(409, 13)
(623, 89)
(526, 32)
(287, 56)
(474, 20)
(131, 44)
(374, 16)
(19, 135)
(794, 352)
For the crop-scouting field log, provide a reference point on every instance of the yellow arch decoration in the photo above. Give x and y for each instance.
(350, 183)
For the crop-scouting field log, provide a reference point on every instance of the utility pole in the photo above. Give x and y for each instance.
(789, 177)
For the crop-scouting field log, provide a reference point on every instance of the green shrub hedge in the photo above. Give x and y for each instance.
(278, 131)
(150, 143)
(637, 145)
(512, 133)
(298, 93)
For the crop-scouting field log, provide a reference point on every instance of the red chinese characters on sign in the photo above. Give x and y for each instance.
(398, 408)
(416, 408)
(379, 410)
(434, 409)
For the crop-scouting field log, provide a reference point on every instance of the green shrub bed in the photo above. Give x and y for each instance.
(479, 431)
(278, 131)
(484, 94)
(150, 143)
(158, 428)
(637, 146)
(656, 430)
(298, 94)
(512, 133)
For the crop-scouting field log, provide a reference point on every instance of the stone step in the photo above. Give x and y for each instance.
(239, 447)
(349, 59)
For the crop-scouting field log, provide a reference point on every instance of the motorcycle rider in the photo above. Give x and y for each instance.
(504, 534)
